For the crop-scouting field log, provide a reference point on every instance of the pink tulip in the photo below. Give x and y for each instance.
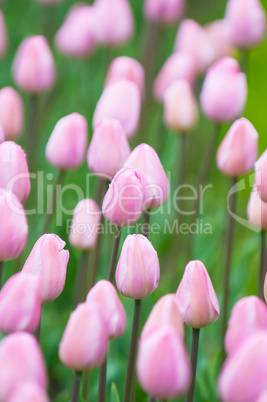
(112, 105)
(239, 149)
(66, 147)
(138, 269)
(109, 149)
(28, 392)
(155, 182)
(3, 35)
(21, 361)
(85, 224)
(257, 210)
(123, 202)
(261, 176)
(2, 135)
(84, 343)
(196, 297)
(219, 35)
(34, 68)
(48, 260)
(164, 11)
(105, 295)
(11, 113)
(224, 92)
(163, 367)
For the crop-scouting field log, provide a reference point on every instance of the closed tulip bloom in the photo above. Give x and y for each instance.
(108, 149)
(196, 297)
(249, 315)
(14, 226)
(33, 67)
(180, 107)
(21, 361)
(165, 312)
(105, 295)
(84, 342)
(219, 34)
(257, 210)
(112, 105)
(261, 176)
(28, 392)
(66, 147)
(224, 91)
(14, 170)
(155, 181)
(123, 202)
(3, 35)
(247, 22)
(179, 66)
(2, 135)
(11, 113)
(20, 304)
(163, 367)
(243, 376)
(138, 269)
(239, 149)
(164, 11)
(48, 260)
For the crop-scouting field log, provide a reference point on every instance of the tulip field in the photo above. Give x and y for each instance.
(133, 200)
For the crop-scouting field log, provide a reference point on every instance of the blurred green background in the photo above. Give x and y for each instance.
(79, 86)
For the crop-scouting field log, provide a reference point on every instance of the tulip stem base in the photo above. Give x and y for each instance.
(37, 332)
(114, 255)
(1, 272)
(194, 355)
(76, 387)
(129, 390)
(146, 225)
(31, 130)
(81, 280)
(102, 382)
(262, 267)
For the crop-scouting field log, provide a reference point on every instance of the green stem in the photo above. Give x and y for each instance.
(1, 272)
(152, 399)
(244, 61)
(32, 130)
(146, 226)
(95, 258)
(37, 332)
(262, 268)
(182, 168)
(102, 382)
(76, 387)
(194, 355)
(81, 277)
(114, 255)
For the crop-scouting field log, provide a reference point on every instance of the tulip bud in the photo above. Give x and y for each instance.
(257, 210)
(249, 315)
(179, 66)
(123, 202)
(13, 228)
(84, 343)
(109, 148)
(85, 223)
(196, 297)
(180, 107)
(163, 367)
(247, 22)
(20, 304)
(165, 312)
(164, 11)
(112, 105)
(138, 269)
(224, 92)
(14, 170)
(3, 35)
(105, 295)
(243, 376)
(155, 182)
(2, 135)
(11, 113)
(48, 261)
(21, 361)
(126, 68)
(66, 147)
(28, 392)
(261, 176)
(219, 35)
(239, 149)
(33, 68)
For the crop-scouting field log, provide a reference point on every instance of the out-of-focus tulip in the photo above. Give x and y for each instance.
(194, 40)
(261, 176)
(2, 135)
(243, 376)
(66, 147)
(219, 34)
(239, 149)
(20, 304)
(180, 107)
(112, 105)
(164, 11)
(249, 315)
(84, 343)
(3, 35)
(33, 67)
(263, 397)
(48, 260)
(28, 392)
(138, 269)
(76, 37)
(163, 367)
(11, 113)
(247, 22)
(165, 312)
(108, 149)
(224, 92)
(196, 297)
(179, 66)
(155, 181)
(105, 295)
(14, 227)
(21, 361)
(126, 68)
(14, 175)
(123, 202)
(257, 210)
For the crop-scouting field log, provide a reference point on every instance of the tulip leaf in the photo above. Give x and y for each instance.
(114, 395)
